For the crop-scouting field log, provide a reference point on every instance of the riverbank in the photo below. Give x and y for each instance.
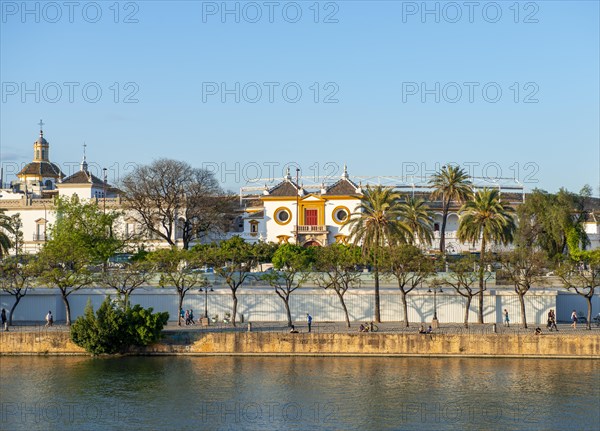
(191, 342)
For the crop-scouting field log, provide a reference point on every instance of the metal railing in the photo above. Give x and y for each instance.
(312, 228)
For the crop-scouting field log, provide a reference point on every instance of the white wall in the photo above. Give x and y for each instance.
(262, 304)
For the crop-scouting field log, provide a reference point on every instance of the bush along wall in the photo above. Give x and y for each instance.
(115, 327)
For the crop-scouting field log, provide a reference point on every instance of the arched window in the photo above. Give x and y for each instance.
(179, 228)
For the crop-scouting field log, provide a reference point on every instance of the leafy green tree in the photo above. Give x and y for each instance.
(462, 278)
(410, 267)
(524, 266)
(114, 330)
(582, 276)
(177, 267)
(553, 222)
(487, 219)
(416, 214)
(63, 261)
(450, 184)
(16, 233)
(126, 280)
(292, 263)
(337, 265)
(6, 230)
(376, 224)
(16, 277)
(264, 252)
(232, 260)
(88, 224)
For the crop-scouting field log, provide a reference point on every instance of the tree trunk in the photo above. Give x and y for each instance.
(235, 304)
(589, 316)
(481, 272)
(443, 229)
(127, 293)
(467, 307)
(341, 296)
(286, 301)
(377, 300)
(404, 308)
(67, 308)
(12, 309)
(180, 308)
(523, 316)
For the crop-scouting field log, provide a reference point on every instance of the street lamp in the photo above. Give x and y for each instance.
(297, 201)
(104, 189)
(206, 300)
(434, 322)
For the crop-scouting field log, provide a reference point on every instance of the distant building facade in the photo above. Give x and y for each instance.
(287, 212)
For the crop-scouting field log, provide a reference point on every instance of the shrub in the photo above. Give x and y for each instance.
(113, 330)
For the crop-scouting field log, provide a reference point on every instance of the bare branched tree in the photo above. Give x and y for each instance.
(172, 200)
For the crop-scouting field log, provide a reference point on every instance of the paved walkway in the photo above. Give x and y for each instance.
(340, 327)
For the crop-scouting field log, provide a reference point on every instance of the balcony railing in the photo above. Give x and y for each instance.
(449, 235)
(312, 228)
(39, 236)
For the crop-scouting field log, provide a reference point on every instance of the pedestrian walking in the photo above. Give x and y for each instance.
(506, 319)
(49, 318)
(4, 321)
(574, 319)
(552, 321)
(309, 321)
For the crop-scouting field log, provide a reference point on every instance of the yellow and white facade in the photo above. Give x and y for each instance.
(287, 213)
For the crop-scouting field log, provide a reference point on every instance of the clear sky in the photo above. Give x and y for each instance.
(510, 89)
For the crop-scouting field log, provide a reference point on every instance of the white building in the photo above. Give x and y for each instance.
(289, 211)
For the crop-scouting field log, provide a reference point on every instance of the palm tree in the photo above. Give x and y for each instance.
(6, 228)
(417, 216)
(451, 183)
(487, 219)
(375, 224)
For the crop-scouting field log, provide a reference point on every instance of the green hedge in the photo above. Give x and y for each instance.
(115, 328)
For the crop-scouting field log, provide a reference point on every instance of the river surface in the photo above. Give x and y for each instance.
(302, 393)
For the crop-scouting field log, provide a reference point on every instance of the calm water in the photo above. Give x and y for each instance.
(257, 393)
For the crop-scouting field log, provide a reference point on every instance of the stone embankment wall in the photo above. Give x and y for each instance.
(271, 343)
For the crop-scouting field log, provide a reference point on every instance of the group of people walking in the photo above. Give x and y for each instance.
(187, 316)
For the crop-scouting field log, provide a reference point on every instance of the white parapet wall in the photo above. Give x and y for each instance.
(261, 304)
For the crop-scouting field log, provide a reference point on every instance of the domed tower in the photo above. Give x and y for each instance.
(40, 174)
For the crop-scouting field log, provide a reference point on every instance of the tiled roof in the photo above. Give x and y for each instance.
(83, 177)
(44, 169)
(284, 189)
(257, 215)
(342, 187)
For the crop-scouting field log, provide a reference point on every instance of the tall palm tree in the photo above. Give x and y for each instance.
(451, 183)
(376, 223)
(6, 228)
(487, 219)
(417, 216)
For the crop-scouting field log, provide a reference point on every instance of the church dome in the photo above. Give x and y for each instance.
(41, 140)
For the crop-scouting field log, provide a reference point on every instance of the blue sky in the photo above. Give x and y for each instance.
(381, 67)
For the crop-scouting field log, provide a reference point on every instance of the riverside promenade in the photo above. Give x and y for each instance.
(330, 339)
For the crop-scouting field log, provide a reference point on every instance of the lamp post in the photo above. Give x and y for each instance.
(297, 201)
(104, 190)
(434, 322)
(205, 290)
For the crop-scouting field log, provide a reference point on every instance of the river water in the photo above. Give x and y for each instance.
(298, 393)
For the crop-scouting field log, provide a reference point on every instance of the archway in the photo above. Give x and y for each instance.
(312, 243)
